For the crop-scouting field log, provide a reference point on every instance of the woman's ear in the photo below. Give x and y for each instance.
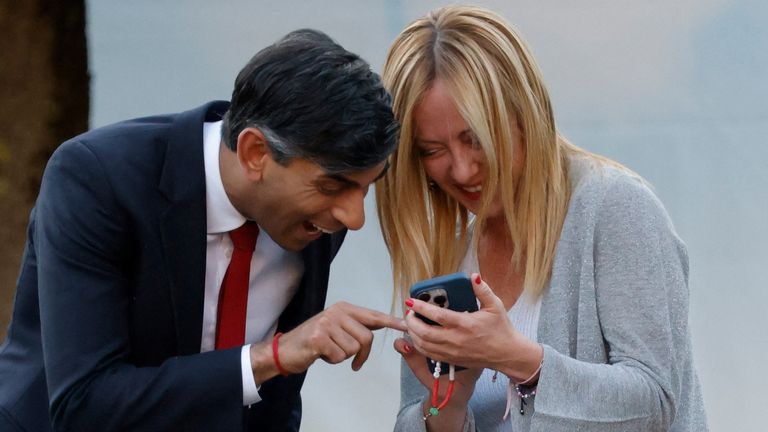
(253, 152)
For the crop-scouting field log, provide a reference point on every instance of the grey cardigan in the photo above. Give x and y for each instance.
(613, 323)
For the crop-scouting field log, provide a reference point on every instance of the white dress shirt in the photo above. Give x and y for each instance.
(275, 272)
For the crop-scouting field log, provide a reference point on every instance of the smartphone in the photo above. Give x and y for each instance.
(454, 292)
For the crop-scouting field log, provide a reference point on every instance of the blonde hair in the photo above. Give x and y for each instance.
(494, 79)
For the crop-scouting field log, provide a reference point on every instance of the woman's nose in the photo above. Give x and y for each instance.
(465, 164)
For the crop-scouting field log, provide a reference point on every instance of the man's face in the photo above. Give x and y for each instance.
(297, 203)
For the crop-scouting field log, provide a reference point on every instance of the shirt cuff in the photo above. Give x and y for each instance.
(250, 389)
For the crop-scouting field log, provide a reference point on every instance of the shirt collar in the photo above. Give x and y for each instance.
(221, 215)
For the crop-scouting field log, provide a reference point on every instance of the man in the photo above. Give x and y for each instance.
(148, 298)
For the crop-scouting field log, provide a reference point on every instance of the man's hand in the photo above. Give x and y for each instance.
(334, 335)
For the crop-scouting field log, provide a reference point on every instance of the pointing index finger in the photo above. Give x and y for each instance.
(375, 320)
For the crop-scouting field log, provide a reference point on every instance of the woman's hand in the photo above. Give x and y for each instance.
(465, 379)
(451, 417)
(482, 339)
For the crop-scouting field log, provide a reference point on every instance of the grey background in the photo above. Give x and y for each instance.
(676, 90)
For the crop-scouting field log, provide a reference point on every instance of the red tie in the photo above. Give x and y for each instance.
(233, 296)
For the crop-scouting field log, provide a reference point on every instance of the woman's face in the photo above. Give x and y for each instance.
(449, 151)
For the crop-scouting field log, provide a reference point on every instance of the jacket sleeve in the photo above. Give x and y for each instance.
(82, 244)
(641, 297)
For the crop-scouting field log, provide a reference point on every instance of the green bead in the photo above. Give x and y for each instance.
(433, 411)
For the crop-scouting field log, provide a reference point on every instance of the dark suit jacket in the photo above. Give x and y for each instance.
(107, 322)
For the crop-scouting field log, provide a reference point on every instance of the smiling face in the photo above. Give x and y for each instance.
(297, 202)
(300, 202)
(449, 151)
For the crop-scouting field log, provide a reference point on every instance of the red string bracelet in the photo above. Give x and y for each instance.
(275, 356)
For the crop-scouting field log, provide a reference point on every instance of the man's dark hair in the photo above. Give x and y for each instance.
(315, 100)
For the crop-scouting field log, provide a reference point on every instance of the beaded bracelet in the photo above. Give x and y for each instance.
(523, 390)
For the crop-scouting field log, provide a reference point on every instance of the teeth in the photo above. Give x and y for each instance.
(321, 229)
(473, 189)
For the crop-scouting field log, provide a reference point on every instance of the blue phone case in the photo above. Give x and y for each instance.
(453, 291)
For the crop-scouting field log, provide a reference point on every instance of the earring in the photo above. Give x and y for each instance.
(432, 185)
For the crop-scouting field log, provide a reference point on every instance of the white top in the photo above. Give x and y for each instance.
(274, 277)
(490, 398)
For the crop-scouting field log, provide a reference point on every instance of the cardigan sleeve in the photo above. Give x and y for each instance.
(640, 284)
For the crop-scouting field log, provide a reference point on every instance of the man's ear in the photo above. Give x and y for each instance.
(253, 152)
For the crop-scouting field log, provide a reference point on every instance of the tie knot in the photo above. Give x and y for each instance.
(244, 237)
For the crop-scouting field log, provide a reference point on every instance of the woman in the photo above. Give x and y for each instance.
(583, 322)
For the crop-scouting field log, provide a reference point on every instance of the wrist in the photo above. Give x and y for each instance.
(456, 407)
(276, 355)
(525, 365)
(450, 418)
(462, 393)
(262, 363)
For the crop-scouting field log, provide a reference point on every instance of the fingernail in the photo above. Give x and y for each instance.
(478, 280)
(407, 348)
(409, 302)
(407, 312)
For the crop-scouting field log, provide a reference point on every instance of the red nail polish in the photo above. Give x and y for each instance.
(478, 280)
(409, 302)
(408, 312)
(407, 348)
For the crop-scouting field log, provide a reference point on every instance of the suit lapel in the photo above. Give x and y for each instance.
(183, 222)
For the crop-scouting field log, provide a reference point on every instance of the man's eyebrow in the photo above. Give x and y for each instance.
(340, 178)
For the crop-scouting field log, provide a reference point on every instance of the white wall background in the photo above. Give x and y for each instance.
(675, 89)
